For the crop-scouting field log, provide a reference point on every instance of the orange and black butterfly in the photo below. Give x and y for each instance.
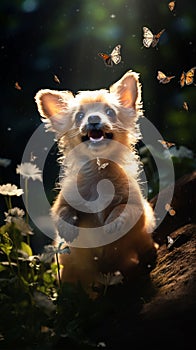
(169, 209)
(166, 144)
(172, 5)
(113, 58)
(150, 39)
(187, 78)
(164, 79)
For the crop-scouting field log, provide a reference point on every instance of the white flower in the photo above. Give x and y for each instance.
(14, 212)
(15, 216)
(29, 171)
(21, 225)
(50, 250)
(48, 254)
(10, 190)
(19, 222)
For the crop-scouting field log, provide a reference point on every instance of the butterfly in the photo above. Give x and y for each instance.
(150, 39)
(185, 106)
(169, 209)
(187, 78)
(166, 144)
(17, 86)
(172, 5)
(101, 166)
(164, 79)
(113, 57)
(56, 79)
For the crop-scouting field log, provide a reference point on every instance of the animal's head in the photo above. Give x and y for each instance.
(94, 117)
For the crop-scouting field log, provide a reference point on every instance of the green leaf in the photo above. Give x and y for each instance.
(2, 268)
(26, 248)
(48, 278)
(5, 244)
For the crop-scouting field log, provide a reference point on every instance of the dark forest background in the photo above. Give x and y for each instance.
(43, 38)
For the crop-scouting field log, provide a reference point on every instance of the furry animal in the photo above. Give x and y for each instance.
(97, 132)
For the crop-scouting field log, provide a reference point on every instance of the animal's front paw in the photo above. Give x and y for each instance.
(122, 218)
(67, 231)
(67, 225)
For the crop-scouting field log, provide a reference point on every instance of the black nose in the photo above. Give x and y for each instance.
(94, 119)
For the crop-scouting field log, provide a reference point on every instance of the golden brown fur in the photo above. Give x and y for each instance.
(102, 136)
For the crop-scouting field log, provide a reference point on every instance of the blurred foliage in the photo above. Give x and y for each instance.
(38, 311)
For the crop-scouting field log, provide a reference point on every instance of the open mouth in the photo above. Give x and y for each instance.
(97, 135)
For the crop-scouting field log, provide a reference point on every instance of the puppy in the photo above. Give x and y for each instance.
(100, 210)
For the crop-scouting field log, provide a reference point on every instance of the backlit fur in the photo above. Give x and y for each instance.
(107, 115)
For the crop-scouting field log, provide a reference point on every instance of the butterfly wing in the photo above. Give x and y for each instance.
(106, 58)
(190, 76)
(161, 76)
(147, 37)
(156, 38)
(56, 79)
(164, 79)
(166, 144)
(185, 106)
(115, 54)
(159, 34)
(170, 78)
(171, 5)
(17, 86)
(182, 79)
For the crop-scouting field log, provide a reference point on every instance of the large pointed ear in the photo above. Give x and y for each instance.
(53, 105)
(128, 90)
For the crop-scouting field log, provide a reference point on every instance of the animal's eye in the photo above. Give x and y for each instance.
(110, 112)
(79, 117)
